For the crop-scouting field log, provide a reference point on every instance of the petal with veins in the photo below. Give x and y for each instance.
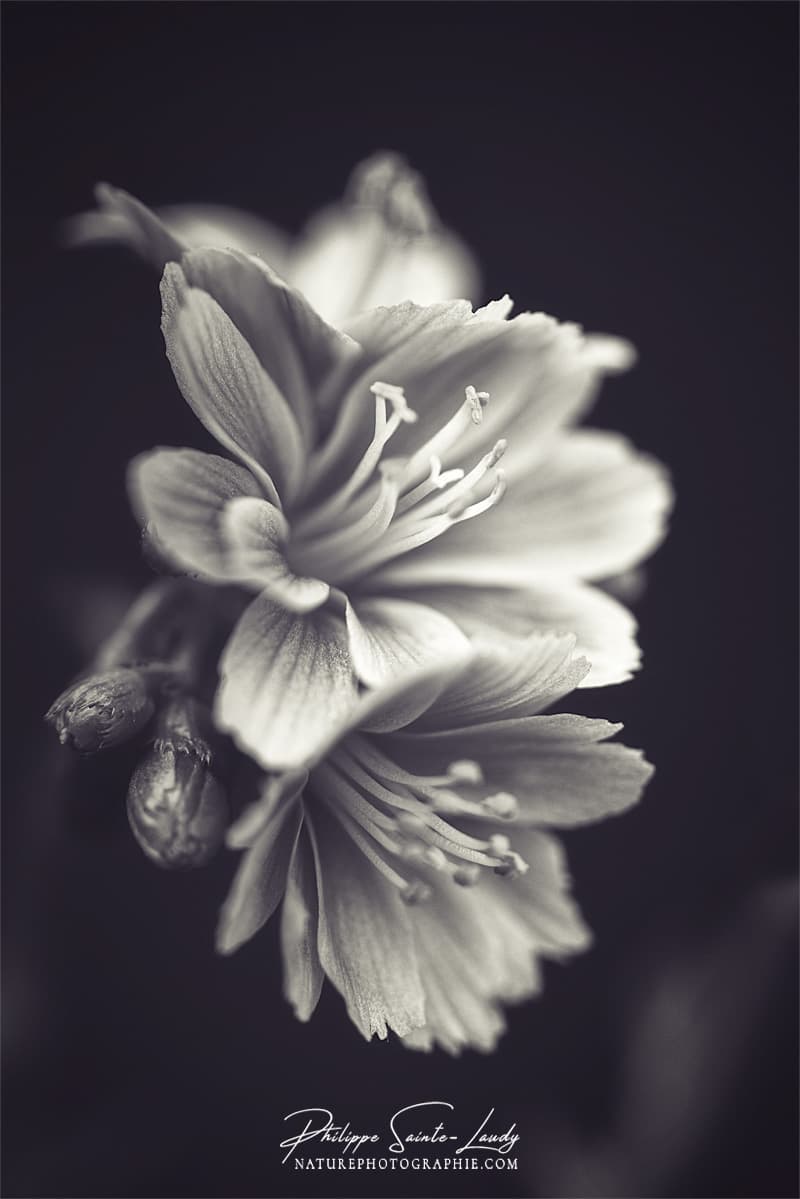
(297, 349)
(365, 940)
(286, 683)
(389, 637)
(227, 388)
(515, 677)
(605, 630)
(182, 494)
(554, 765)
(260, 880)
(255, 534)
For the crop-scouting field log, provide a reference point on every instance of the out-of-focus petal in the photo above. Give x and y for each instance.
(556, 766)
(181, 494)
(286, 683)
(302, 970)
(224, 228)
(260, 880)
(390, 637)
(592, 508)
(226, 386)
(541, 895)
(294, 345)
(365, 940)
(120, 217)
(347, 261)
(605, 630)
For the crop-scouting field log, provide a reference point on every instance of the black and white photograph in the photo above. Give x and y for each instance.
(400, 599)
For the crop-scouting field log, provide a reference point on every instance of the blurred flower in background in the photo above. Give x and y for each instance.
(382, 244)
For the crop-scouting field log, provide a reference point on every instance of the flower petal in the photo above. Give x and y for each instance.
(286, 683)
(512, 677)
(217, 225)
(389, 637)
(297, 349)
(120, 217)
(365, 941)
(260, 880)
(554, 765)
(605, 630)
(182, 493)
(255, 533)
(302, 970)
(226, 386)
(592, 508)
(541, 895)
(475, 950)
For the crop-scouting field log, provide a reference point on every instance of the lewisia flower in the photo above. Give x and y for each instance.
(381, 245)
(410, 852)
(361, 497)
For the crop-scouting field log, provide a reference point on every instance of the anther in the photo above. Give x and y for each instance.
(395, 396)
(512, 866)
(466, 876)
(435, 857)
(416, 892)
(465, 771)
(477, 401)
(499, 844)
(502, 804)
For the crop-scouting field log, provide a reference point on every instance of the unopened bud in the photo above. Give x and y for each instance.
(176, 807)
(103, 710)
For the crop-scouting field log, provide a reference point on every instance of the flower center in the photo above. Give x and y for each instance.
(396, 818)
(391, 506)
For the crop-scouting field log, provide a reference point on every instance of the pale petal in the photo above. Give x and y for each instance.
(540, 375)
(593, 508)
(182, 493)
(541, 895)
(226, 386)
(604, 629)
(217, 225)
(260, 880)
(302, 970)
(554, 765)
(514, 677)
(390, 637)
(347, 260)
(365, 942)
(286, 683)
(475, 950)
(255, 534)
(297, 349)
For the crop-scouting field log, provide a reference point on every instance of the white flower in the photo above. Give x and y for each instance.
(381, 245)
(364, 498)
(409, 851)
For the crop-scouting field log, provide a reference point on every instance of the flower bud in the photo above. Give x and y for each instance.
(176, 807)
(103, 710)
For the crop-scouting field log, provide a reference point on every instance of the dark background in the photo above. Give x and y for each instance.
(627, 165)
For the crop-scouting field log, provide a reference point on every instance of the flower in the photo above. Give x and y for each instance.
(381, 245)
(364, 498)
(411, 851)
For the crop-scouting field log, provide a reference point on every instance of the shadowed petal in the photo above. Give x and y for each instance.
(255, 533)
(260, 880)
(286, 683)
(182, 493)
(554, 765)
(389, 637)
(297, 349)
(604, 629)
(365, 941)
(226, 386)
(302, 970)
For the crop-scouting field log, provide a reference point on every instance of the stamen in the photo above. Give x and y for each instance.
(437, 480)
(458, 513)
(470, 413)
(466, 876)
(464, 770)
(512, 866)
(416, 892)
